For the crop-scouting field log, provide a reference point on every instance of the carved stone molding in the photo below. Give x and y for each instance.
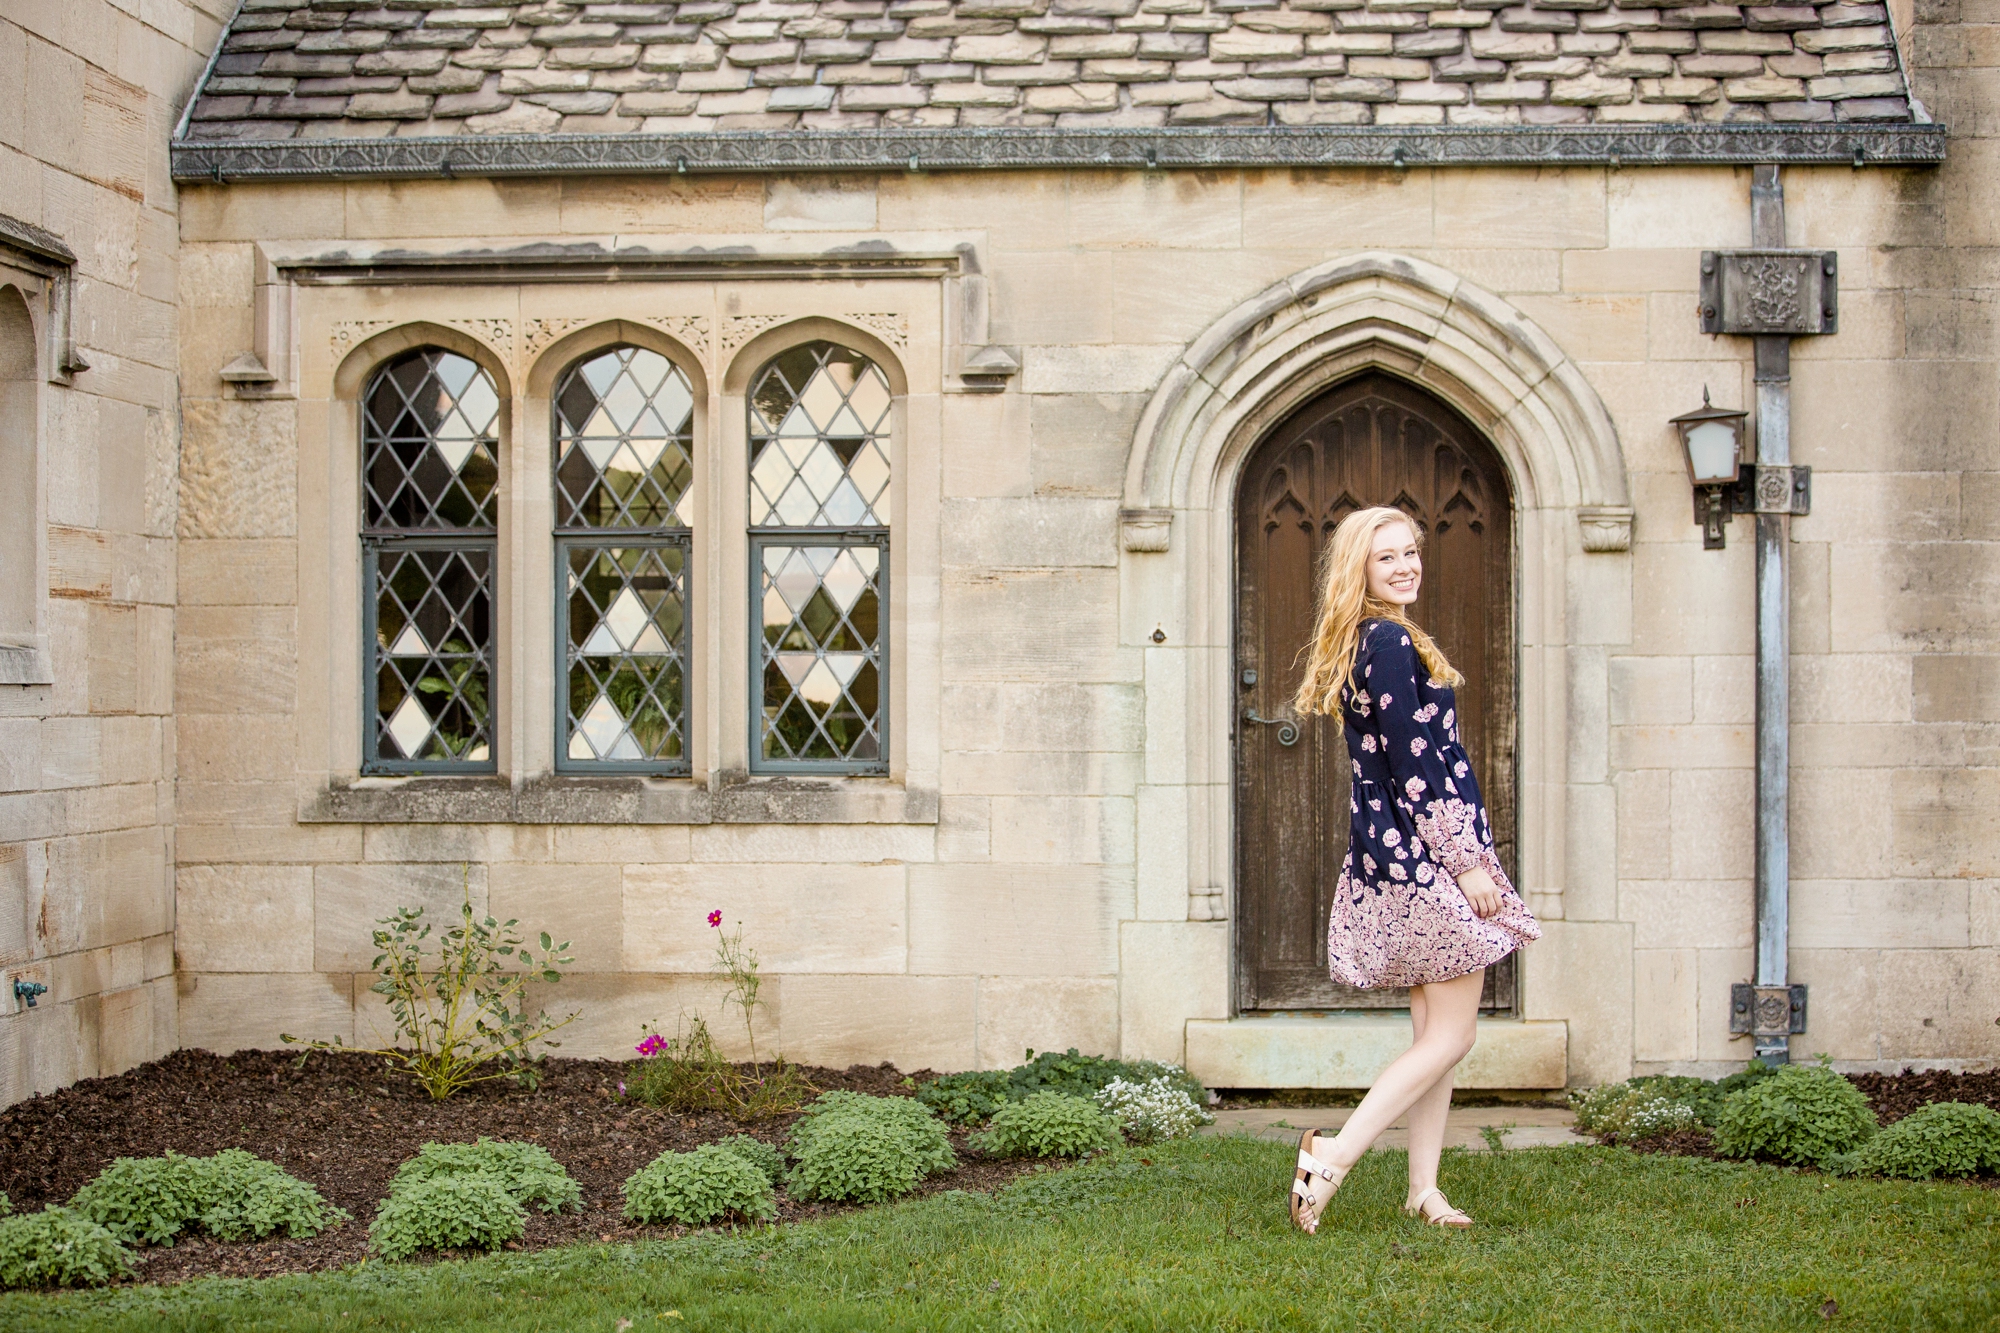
(540, 333)
(894, 328)
(1606, 528)
(690, 329)
(740, 329)
(346, 333)
(1145, 529)
(957, 149)
(495, 333)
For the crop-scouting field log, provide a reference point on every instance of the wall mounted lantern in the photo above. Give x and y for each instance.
(1712, 440)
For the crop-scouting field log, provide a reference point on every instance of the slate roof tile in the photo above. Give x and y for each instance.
(322, 68)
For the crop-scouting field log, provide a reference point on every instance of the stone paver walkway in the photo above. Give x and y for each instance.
(1522, 1126)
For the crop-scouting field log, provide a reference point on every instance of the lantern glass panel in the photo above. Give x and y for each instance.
(1712, 452)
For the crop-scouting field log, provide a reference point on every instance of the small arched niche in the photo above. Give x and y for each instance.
(19, 515)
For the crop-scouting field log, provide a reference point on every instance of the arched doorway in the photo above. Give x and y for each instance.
(1370, 440)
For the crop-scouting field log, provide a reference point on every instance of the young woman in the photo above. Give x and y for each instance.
(1422, 900)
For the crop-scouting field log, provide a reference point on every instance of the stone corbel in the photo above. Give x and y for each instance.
(24, 660)
(1147, 530)
(1606, 528)
(267, 371)
(987, 369)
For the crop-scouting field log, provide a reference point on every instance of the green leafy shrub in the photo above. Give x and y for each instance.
(60, 1247)
(866, 1149)
(446, 1212)
(1608, 1112)
(971, 1098)
(1942, 1139)
(855, 1160)
(525, 1170)
(699, 1187)
(1151, 1111)
(232, 1196)
(462, 1014)
(928, 1137)
(147, 1200)
(1725, 1088)
(1049, 1124)
(758, 1154)
(1803, 1114)
(250, 1199)
(6, 1204)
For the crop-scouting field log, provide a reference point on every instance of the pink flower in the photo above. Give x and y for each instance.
(652, 1045)
(715, 919)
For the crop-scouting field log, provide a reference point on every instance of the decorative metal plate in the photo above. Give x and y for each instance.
(1767, 1011)
(1763, 292)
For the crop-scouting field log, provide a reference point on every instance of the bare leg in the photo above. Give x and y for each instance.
(1451, 1013)
(1426, 1116)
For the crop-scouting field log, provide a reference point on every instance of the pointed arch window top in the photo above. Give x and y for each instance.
(624, 426)
(819, 440)
(429, 425)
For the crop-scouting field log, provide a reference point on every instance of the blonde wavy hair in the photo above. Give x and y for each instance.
(1344, 603)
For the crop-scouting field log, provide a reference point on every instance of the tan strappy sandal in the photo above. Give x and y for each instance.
(1311, 1174)
(1450, 1217)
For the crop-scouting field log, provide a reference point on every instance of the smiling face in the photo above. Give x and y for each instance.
(1395, 570)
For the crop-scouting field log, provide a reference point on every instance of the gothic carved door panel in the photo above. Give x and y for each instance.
(1369, 441)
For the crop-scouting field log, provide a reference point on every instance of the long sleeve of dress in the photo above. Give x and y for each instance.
(1414, 736)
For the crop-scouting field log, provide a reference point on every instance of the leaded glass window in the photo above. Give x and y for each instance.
(430, 473)
(819, 542)
(622, 469)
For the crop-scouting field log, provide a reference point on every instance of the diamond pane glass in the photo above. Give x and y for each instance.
(428, 426)
(623, 434)
(821, 612)
(625, 653)
(433, 654)
(819, 440)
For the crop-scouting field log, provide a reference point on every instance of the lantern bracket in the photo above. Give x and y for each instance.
(1781, 489)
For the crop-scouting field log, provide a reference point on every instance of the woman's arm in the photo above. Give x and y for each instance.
(1448, 823)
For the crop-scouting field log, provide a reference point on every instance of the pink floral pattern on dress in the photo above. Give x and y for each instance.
(1417, 822)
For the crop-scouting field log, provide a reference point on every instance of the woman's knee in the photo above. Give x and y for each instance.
(1449, 1039)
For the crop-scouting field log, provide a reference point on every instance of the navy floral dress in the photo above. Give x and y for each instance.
(1399, 918)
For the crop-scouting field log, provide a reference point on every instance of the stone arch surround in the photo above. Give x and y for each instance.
(1423, 323)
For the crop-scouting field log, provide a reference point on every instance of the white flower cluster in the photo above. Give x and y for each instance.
(1153, 1110)
(1657, 1115)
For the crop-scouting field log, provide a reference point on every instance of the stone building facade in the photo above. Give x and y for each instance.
(912, 630)
(89, 444)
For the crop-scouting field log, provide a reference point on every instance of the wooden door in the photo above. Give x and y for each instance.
(1369, 441)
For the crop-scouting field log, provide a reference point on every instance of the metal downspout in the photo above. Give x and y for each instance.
(1774, 531)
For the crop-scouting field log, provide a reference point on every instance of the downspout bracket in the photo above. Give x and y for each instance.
(1767, 1011)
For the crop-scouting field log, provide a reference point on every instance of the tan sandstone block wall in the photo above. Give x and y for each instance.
(1048, 904)
(89, 90)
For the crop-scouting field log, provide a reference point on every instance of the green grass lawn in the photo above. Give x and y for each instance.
(1569, 1238)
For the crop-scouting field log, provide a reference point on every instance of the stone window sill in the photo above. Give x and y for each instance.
(566, 799)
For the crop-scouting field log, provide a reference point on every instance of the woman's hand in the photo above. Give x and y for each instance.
(1480, 890)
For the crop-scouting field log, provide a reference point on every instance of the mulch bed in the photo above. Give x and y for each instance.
(1891, 1096)
(345, 1123)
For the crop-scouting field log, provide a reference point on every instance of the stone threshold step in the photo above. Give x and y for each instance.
(1348, 1050)
(1519, 1126)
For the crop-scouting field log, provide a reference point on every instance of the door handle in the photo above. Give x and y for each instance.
(1288, 727)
